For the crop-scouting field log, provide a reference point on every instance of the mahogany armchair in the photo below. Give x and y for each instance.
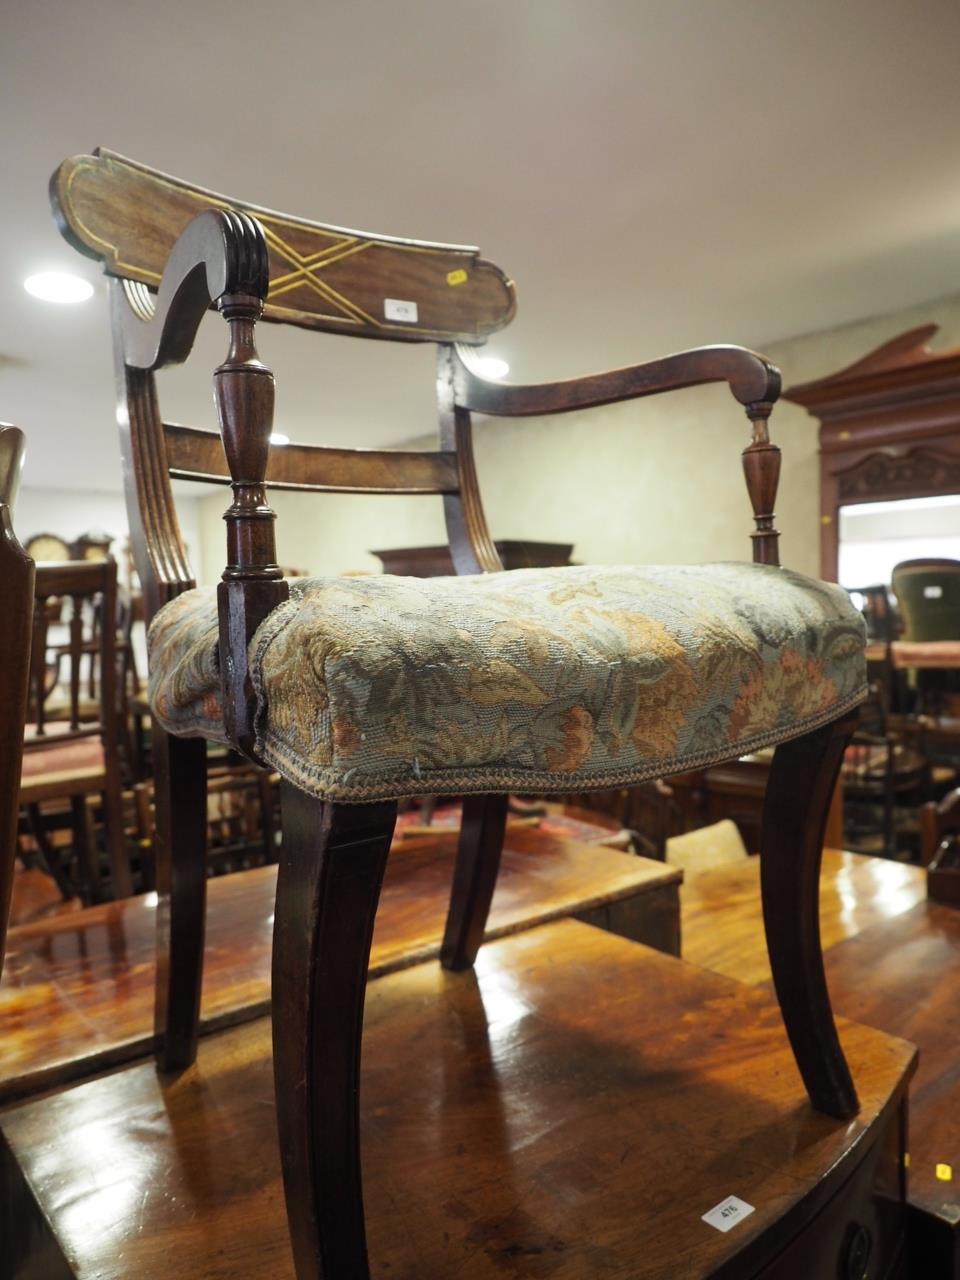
(16, 597)
(362, 691)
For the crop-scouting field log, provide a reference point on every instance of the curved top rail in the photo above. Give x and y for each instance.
(129, 216)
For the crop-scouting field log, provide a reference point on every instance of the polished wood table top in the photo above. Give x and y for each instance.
(722, 920)
(904, 977)
(570, 1110)
(77, 989)
(892, 961)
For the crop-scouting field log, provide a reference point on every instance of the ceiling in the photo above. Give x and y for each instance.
(653, 173)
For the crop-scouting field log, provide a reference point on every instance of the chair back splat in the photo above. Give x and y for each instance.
(361, 691)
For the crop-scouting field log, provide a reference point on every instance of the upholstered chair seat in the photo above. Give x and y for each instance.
(533, 680)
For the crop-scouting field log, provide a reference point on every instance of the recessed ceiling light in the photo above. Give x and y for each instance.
(491, 366)
(58, 286)
(279, 438)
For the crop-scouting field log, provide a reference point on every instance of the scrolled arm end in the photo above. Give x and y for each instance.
(219, 256)
(752, 379)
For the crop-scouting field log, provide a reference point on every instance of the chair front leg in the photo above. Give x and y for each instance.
(802, 779)
(332, 862)
(180, 850)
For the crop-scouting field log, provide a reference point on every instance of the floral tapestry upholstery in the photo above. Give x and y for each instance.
(533, 680)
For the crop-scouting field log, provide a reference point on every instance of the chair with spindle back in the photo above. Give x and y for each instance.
(16, 600)
(77, 755)
(362, 691)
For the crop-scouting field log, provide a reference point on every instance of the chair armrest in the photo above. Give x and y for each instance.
(752, 380)
(219, 255)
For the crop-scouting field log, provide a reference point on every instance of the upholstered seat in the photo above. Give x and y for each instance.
(540, 679)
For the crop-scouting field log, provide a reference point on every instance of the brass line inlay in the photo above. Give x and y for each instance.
(305, 265)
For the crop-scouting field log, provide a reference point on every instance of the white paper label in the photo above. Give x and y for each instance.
(397, 309)
(932, 592)
(728, 1213)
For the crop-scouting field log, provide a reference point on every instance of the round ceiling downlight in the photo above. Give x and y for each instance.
(58, 286)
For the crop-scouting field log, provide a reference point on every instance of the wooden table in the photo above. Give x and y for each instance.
(77, 990)
(892, 961)
(568, 1111)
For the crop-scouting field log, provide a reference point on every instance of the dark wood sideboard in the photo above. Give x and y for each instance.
(434, 562)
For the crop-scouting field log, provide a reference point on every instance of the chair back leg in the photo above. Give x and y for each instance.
(802, 779)
(474, 879)
(332, 862)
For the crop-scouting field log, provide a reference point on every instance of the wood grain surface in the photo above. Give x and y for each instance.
(77, 993)
(903, 977)
(570, 1109)
(722, 920)
(321, 276)
(892, 961)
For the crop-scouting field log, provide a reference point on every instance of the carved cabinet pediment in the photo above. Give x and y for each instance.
(889, 429)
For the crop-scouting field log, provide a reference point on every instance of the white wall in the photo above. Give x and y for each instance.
(650, 481)
(69, 513)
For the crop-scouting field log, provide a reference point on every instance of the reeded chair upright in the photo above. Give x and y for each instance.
(361, 691)
(16, 599)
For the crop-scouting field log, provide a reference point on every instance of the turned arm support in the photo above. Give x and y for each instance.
(221, 259)
(753, 381)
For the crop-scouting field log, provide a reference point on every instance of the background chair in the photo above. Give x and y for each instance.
(570, 678)
(16, 596)
(881, 617)
(242, 826)
(928, 592)
(884, 773)
(71, 759)
(707, 848)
